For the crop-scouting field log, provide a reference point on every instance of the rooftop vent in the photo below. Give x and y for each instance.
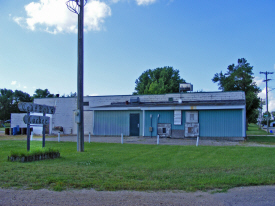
(134, 100)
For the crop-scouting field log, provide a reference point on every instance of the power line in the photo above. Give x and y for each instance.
(266, 80)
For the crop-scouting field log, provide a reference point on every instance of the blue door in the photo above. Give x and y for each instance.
(134, 124)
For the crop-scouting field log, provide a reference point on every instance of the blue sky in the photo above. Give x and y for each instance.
(123, 38)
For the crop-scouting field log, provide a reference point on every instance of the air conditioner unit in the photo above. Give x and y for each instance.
(184, 87)
(164, 130)
(192, 129)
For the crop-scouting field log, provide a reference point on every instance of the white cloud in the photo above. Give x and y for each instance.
(259, 81)
(13, 83)
(271, 99)
(145, 2)
(262, 94)
(54, 17)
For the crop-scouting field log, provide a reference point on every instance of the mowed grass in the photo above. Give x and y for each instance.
(253, 129)
(106, 166)
(7, 125)
(261, 139)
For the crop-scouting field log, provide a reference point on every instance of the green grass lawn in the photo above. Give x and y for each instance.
(261, 139)
(253, 129)
(139, 167)
(7, 125)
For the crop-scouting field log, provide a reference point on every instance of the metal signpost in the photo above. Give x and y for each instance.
(32, 119)
(77, 6)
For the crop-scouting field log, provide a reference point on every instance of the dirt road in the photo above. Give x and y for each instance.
(260, 195)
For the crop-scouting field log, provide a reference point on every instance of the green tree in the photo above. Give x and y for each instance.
(240, 78)
(70, 95)
(158, 81)
(265, 117)
(6, 99)
(40, 93)
(9, 101)
(19, 96)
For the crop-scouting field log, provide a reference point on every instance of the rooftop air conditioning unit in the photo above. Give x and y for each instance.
(184, 87)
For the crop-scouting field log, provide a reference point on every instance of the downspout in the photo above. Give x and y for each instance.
(151, 124)
(157, 124)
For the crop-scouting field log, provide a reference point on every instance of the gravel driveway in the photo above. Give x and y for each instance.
(260, 195)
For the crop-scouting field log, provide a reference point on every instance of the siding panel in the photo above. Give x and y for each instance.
(165, 117)
(113, 122)
(220, 123)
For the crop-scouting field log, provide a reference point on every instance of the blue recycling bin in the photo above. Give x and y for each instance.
(14, 131)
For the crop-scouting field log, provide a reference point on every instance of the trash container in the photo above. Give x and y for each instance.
(14, 132)
(7, 131)
(24, 130)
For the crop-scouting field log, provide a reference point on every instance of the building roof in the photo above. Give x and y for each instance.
(174, 105)
(183, 103)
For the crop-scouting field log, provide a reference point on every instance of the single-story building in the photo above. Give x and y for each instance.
(205, 114)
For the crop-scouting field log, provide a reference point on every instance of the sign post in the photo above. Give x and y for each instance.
(28, 134)
(32, 119)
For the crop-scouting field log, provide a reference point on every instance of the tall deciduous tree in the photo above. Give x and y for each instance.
(40, 93)
(158, 81)
(9, 101)
(240, 78)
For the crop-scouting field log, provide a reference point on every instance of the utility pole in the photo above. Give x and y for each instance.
(261, 113)
(266, 89)
(77, 6)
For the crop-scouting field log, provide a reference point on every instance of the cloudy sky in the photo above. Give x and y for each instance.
(123, 38)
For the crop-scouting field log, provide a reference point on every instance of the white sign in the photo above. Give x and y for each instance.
(177, 117)
(30, 107)
(31, 119)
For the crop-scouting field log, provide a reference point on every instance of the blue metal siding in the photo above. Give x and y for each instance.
(114, 122)
(220, 123)
(166, 117)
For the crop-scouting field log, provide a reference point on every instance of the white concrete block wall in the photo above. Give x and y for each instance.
(64, 113)
(38, 129)
(88, 122)
(17, 119)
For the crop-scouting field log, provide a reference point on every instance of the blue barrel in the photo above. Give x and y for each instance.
(18, 129)
(14, 131)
